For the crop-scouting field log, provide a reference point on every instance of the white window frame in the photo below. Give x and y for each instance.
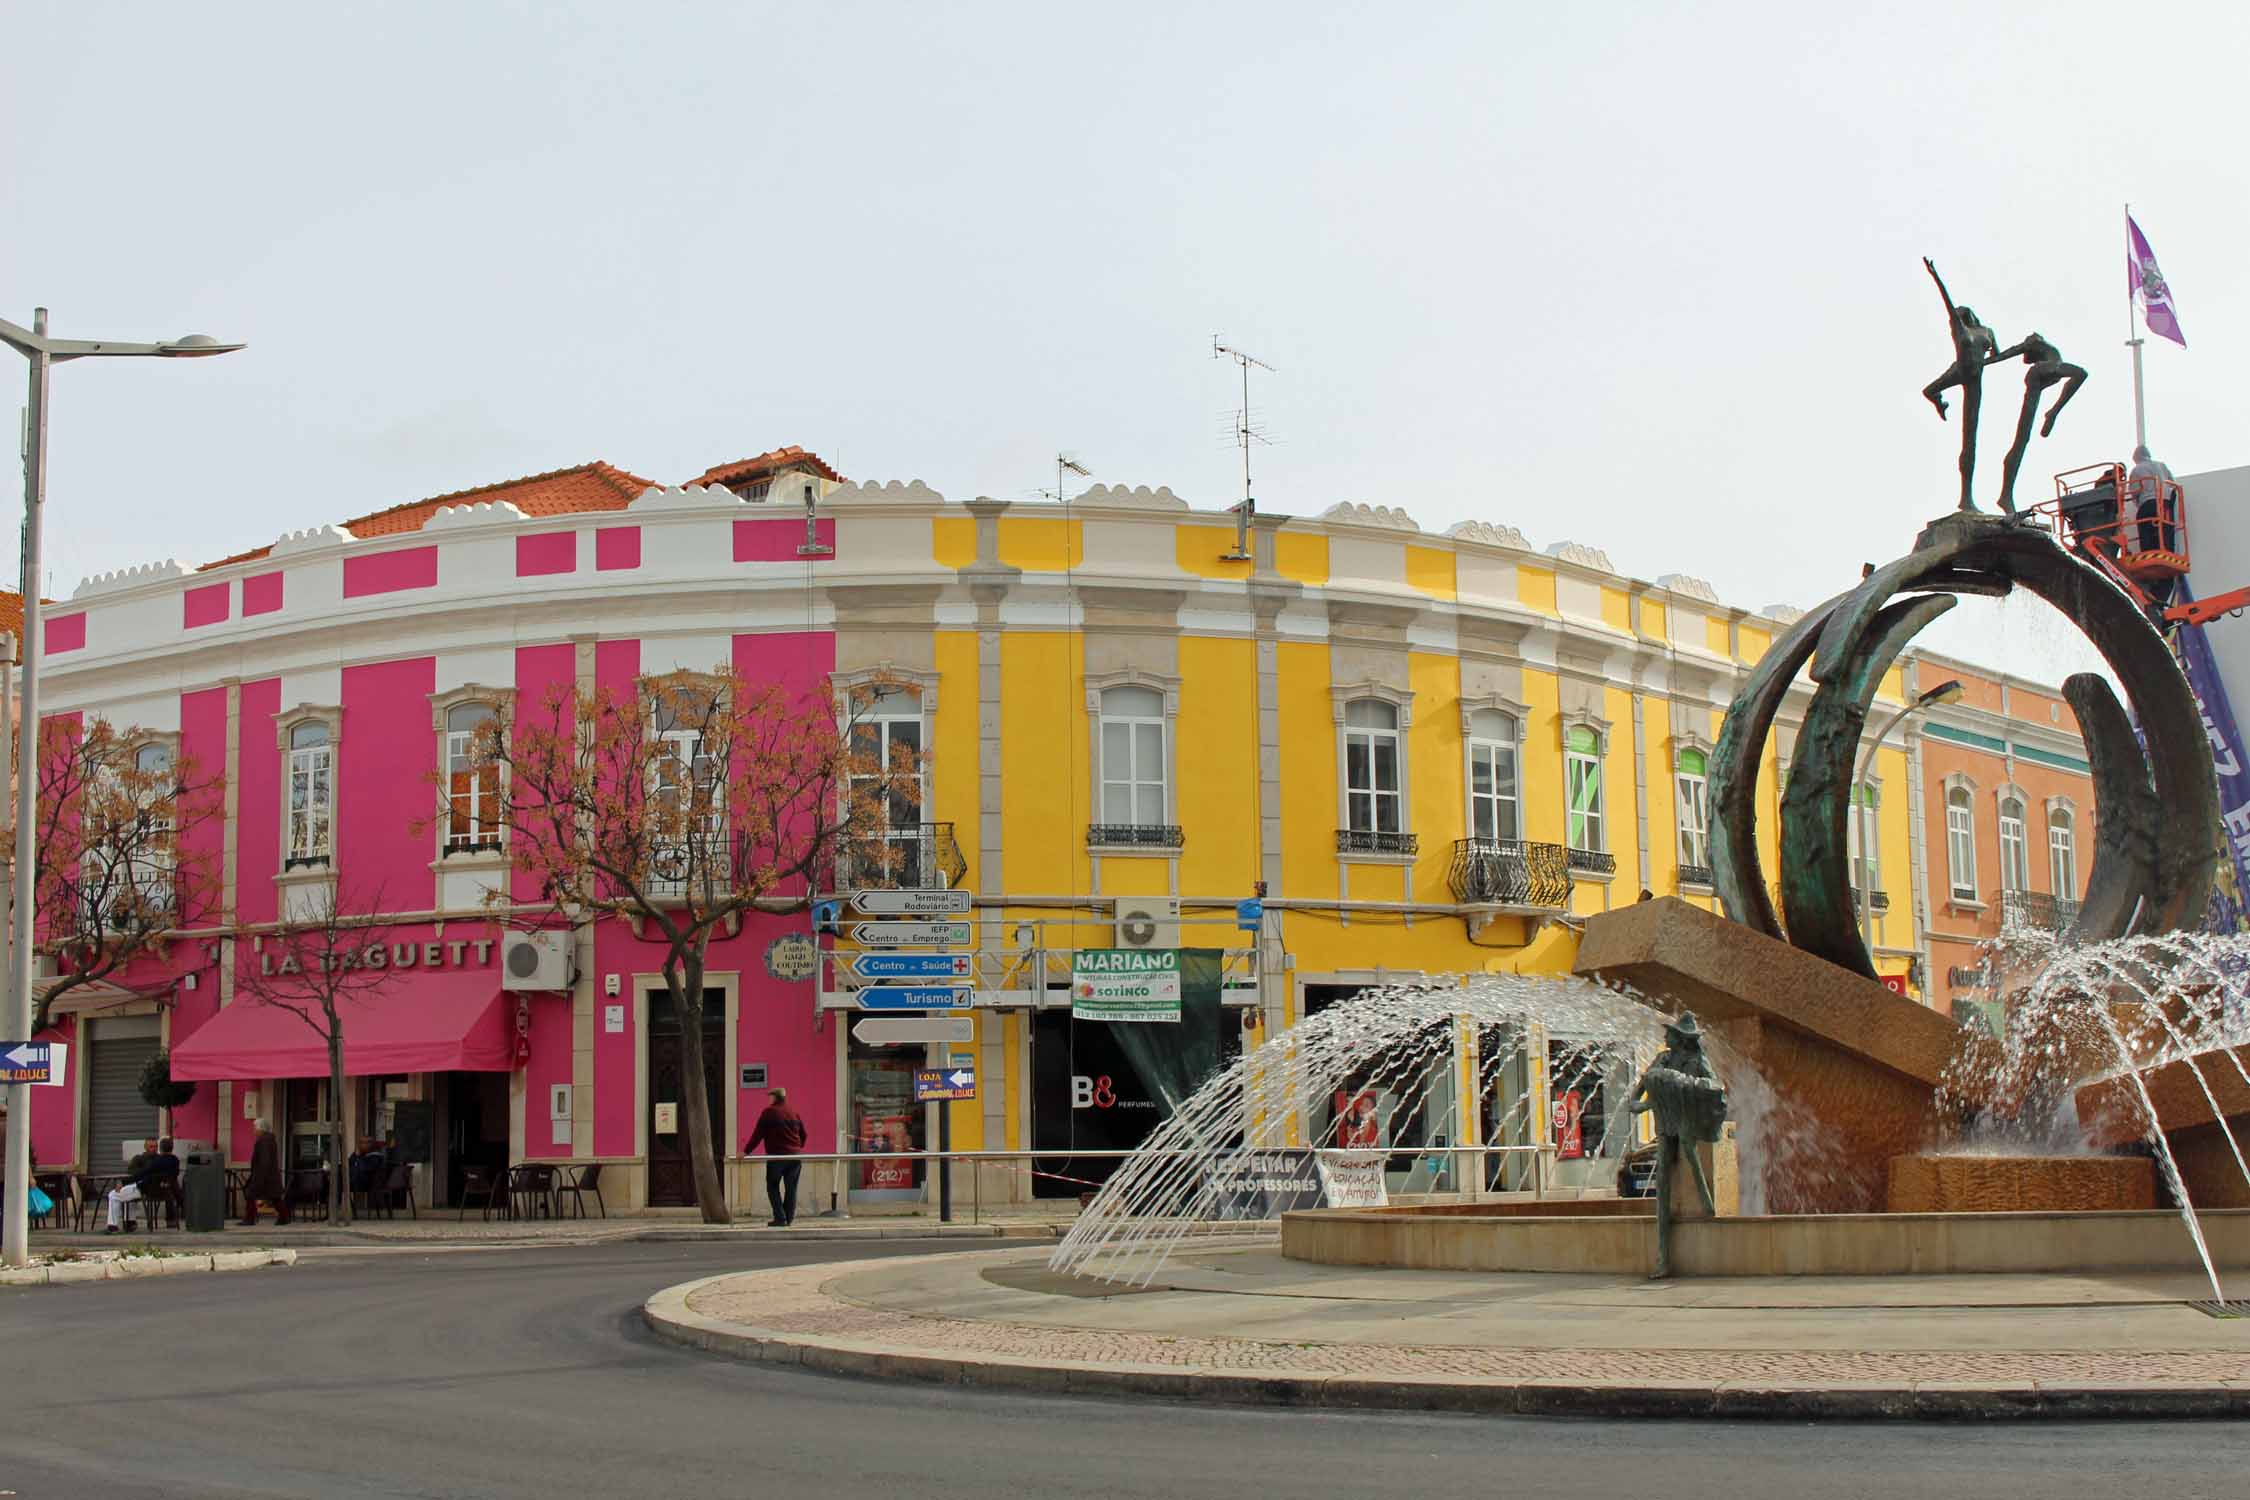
(1576, 764)
(2015, 854)
(1374, 794)
(905, 872)
(1961, 839)
(683, 748)
(1863, 831)
(1691, 801)
(451, 743)
(1167, 689)
(1508, 748)
(301, 761)
(2062, 851)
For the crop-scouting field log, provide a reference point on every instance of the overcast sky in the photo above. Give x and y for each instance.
(1646, 277)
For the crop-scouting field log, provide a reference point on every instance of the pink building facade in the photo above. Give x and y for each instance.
(318, 677)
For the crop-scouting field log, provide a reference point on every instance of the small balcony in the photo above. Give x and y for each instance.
(1508, 872)
(2036, 911)
(1150, 836)
(1371, 841)
(904, 857)
(1697, 876)
(1880, 900)
(1598, 862)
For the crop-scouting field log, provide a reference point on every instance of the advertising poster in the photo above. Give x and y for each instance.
(1263, 1184)
(1354, 1179)
(886, 1133)
(1359, 1123)
(1125, 984)
(1570, 1125)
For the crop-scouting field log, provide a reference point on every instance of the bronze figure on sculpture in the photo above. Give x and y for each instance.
(1690, 1107)
(2044, 366)
(1973, 346)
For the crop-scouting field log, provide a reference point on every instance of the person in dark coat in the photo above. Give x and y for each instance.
(781, 1130)
(265, 1185)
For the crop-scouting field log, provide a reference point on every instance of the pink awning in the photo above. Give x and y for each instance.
(409, 1030)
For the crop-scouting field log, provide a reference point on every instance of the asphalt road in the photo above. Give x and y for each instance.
(527, 1373)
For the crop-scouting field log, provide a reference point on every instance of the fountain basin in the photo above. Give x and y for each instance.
(1960, 1183)
(1596, 1238)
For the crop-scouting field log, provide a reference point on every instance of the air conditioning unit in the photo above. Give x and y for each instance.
(535, 961)
(1148, 922)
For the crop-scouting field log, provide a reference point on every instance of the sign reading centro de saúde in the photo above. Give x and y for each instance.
(912, 903)
(1125, 984)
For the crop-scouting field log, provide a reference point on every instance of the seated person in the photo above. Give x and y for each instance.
(153, 1169)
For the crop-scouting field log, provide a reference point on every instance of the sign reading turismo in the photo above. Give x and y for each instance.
(1125, 984)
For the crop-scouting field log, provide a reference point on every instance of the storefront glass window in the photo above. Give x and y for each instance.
(885, 1117)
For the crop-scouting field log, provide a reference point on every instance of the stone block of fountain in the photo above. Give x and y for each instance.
(1972, 1183)
(2201, 1102)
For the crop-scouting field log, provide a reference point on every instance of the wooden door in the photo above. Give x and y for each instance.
(671, 1176)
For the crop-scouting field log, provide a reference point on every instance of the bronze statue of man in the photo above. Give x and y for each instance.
(1690, 1107)
(2044, 366)
(1973, 345)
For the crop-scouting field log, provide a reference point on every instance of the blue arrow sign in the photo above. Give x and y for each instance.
(24, 1062)
(913, 997)
(912, 965)
(942, 1083)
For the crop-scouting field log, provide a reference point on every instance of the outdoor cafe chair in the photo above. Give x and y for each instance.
(490, 1184)
(531, 1191)
(576, 1185)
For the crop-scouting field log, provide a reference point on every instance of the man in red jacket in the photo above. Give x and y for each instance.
(781, 1130)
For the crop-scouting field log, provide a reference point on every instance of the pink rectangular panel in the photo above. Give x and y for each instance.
(204, 606)
(778, 541)
(389, 572)
(65, 632)
(261, 594)
(617, 547)
(548, 552)
(258, 800)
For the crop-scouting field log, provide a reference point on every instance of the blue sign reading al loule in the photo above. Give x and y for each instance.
(24, 1062)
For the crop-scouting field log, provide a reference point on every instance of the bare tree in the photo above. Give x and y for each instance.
(117, 864)
(685, 806)
(317, 969)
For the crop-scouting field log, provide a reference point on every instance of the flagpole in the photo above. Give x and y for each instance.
(2133, 341)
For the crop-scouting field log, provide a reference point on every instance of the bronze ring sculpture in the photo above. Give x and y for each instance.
(2159, 814)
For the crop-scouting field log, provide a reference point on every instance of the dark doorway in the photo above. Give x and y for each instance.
(476, 1126)
(671, 1176)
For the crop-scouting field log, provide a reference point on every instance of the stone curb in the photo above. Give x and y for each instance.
(669, 1317)
(133, 1267)
(338, 1239)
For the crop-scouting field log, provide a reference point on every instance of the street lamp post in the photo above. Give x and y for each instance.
(43, 353)
(1863, 879)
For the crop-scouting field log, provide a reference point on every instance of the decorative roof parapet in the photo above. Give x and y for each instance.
(684, 497)
(475, 513)
(1355, 513)
(891, 492)
(1138, 497)
(312, 539)
(129, 578)
(1689, 585)
(1581, 554)
(1488, 533)
(1786, 614)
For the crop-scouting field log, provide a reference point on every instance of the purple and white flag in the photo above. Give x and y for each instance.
(2149, 287)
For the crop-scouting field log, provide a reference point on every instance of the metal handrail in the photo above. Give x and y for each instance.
(1509, 872)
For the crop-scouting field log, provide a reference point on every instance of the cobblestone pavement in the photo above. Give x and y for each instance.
(805, 1303)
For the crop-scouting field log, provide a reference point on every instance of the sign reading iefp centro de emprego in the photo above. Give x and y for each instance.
(1125, 984)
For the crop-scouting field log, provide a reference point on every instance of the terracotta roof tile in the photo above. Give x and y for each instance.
(11, 613)
(768, 463)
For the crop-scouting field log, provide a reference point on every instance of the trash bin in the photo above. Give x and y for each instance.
(203, 1192)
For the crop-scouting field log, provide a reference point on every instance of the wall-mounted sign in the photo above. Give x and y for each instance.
(467, 953)
(754, 1075)
(667, 1119)
(1125, 984)
(793, 957)
(613, 1019)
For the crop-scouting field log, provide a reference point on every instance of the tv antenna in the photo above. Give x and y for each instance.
(1244, 436)
(1066, 463)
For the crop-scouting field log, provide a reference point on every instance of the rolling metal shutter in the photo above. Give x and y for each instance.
(114, 1110)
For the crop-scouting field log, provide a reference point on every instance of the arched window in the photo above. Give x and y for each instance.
(1132, 752)
(2015, 851)
(1961, 841)
(472, 780)
(1495, 810)
(887, 743)
(311, 794)
(1372, 799)
(1582, 788)
(1692, 787)
(2062, 852)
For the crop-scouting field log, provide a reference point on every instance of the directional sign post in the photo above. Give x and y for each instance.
(913, 997)
(912, 903)
(912, 965)
(911, 934)
(24, 1062)
(914, 1031)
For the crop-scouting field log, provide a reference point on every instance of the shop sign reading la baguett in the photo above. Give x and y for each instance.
(437, 955)
(1125, 984)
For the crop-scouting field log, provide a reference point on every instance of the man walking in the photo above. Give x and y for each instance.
(781, 1130)
(265, 1184)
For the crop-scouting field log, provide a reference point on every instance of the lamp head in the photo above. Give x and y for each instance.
(195, 346)
(1949, 691)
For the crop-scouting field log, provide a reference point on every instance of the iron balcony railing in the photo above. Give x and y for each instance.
(1134, 836)
(1509, 872)
(1699, 875)
(906, 857)
(1371, 841)
(1593, 861)
(2038, 911)
(1880, 900)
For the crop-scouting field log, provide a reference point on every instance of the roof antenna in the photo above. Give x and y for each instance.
(1067, 463)
(1244, 435)
(812, 546)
